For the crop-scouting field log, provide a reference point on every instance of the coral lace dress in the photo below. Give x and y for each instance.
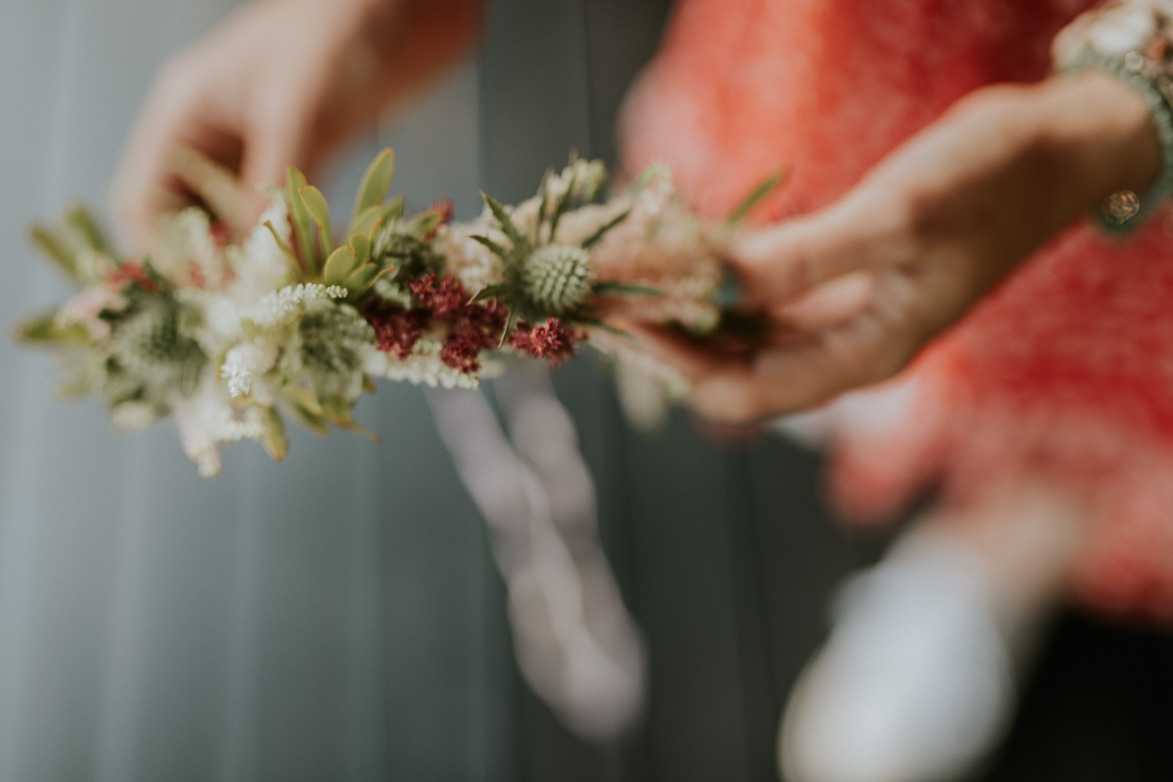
(1065, 371)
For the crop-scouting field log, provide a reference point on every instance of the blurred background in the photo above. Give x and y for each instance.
(340, 616)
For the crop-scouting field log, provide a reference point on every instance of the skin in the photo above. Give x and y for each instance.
(280, 83)
(858, 288)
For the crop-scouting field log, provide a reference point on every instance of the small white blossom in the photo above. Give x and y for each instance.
(246, 362)
(277, 307)
(208, 419)
(420, 369)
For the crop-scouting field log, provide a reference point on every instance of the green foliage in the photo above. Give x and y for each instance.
(375, 184)
(756, 196)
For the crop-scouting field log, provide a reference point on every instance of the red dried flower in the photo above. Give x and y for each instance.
(132, 273)
(447, 210)
(553, 341)
(442, 298)
(471, 327)
(397, 330)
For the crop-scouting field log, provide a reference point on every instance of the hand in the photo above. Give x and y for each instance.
(280, 83)
(857, 289)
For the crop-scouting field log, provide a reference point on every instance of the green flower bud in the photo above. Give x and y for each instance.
(556, 278)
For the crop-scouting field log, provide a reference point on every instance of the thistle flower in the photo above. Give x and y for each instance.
(556, 278)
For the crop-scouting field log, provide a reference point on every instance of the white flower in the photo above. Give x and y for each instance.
(246, 362)
(260, 264)
(473, 264)
(277, 307)
(134, 416)
(424, 368)
(207, 419)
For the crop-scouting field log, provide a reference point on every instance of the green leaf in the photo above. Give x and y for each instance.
(623, 289)
(311, 420)
(563, 204)
(300, 219)
(363, 222)
(755, 197)
(510, 324)
(490, 292)
(506, 223)
(424, 223)
(361, 243)
(275, 442)
(303, 397)
(155, 275)
(598, 324)
(285, 248)
(494, 248)
(339, 266)
(375, 182)
(598, 235)
(54, 249)
(45, 330)
(542, 209)
(395, 209)
(361, 280)
(85, 227)
(319, 212)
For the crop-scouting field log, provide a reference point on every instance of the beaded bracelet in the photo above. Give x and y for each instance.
(1133, 41)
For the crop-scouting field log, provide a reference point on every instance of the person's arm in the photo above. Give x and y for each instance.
(862, 285)
(284, 82)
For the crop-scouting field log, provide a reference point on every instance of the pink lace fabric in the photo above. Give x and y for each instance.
(1065, 371)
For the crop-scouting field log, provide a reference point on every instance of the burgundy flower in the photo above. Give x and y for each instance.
(553, 341)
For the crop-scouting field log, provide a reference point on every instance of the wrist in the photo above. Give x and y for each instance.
(1102, 133)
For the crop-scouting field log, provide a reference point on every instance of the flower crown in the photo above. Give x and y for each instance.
(229, 334)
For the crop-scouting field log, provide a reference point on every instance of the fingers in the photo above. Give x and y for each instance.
(277, 136)
(866, 230)
(831, 303)
(142, 189)
(805, 371)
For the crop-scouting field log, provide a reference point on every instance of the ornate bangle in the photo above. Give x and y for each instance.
(1132, 40)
